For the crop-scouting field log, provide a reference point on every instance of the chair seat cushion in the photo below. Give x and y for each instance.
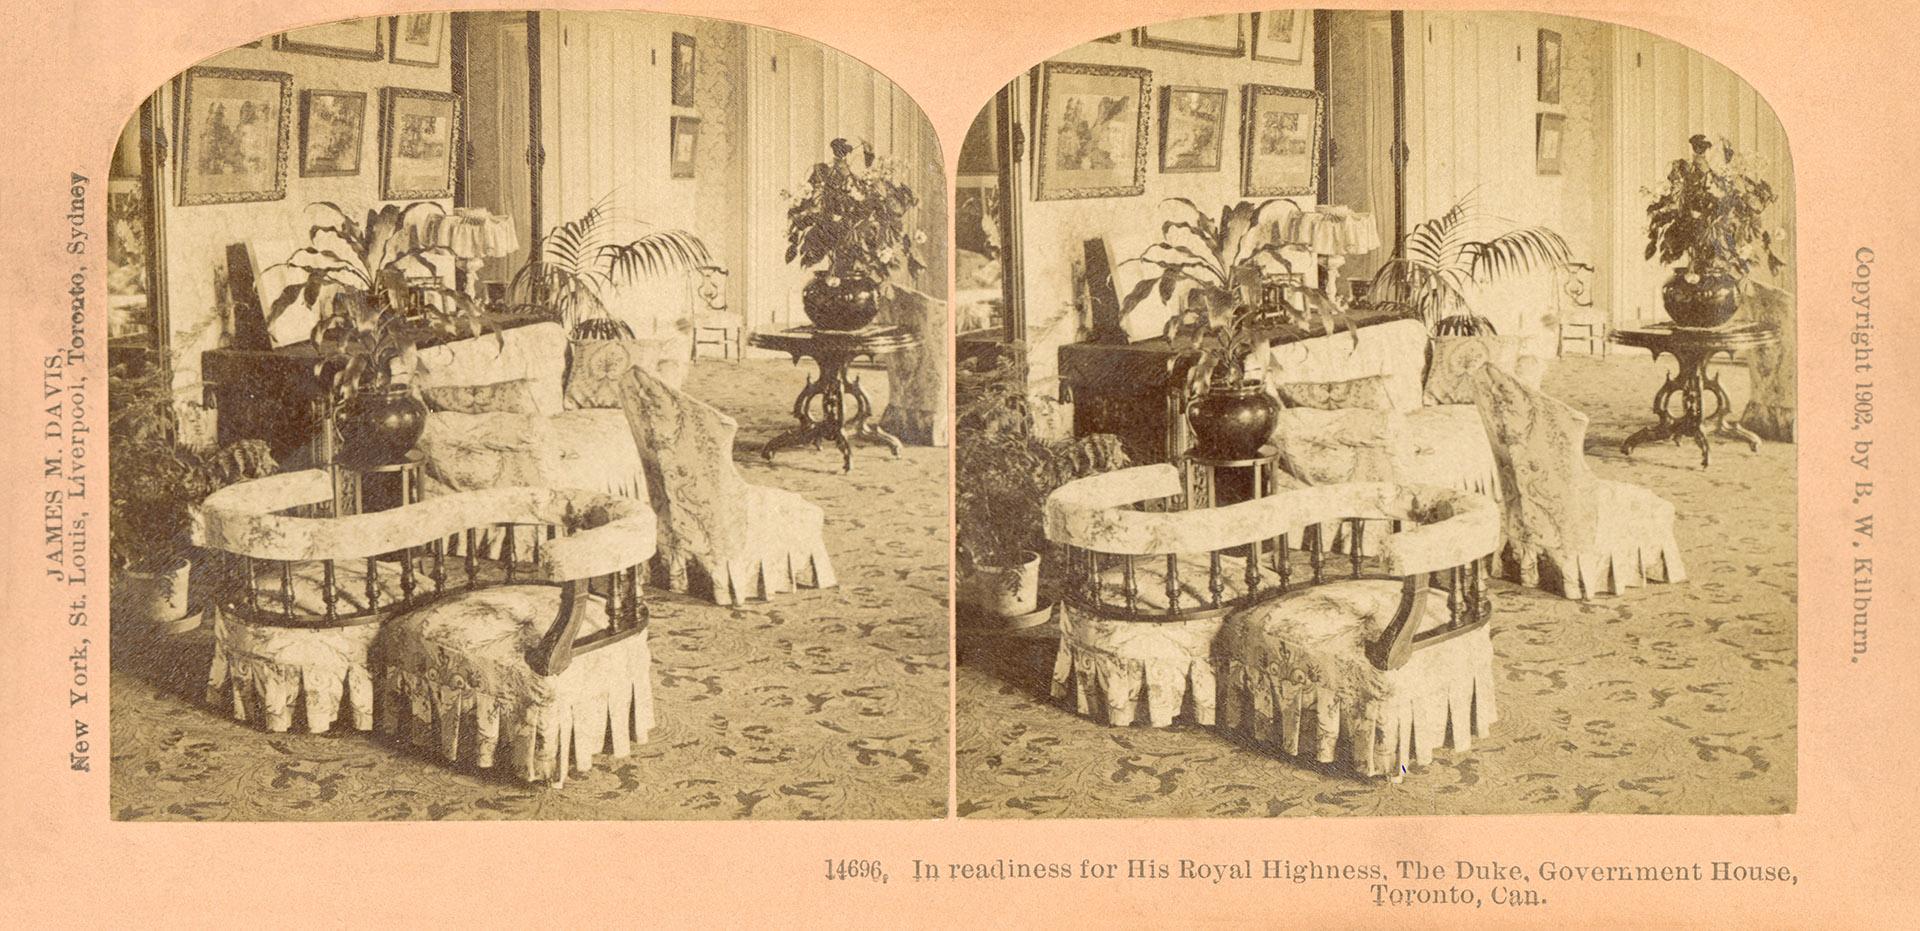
(456, 673)
(1445, 445)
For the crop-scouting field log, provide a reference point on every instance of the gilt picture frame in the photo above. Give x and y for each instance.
(332, 132)
(1281, 35)
(1280, 154)
(1193, 123)
(1223, 35)
(684, 63)
(234, 128)
(1549, 64)
(418, 39)
(361, 39)
(419, 143)
(1093, 131)
(1549, 142)
(683, 135)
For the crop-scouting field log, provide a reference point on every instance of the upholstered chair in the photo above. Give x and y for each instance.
(1566, 529)
(1390, 656)
(716, 531)
(540, 660)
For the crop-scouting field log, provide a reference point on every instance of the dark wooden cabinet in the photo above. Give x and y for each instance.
(270, 395)
(1134, 390)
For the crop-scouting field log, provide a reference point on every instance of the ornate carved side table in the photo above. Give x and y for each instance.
(834, 351)
(1692, 348)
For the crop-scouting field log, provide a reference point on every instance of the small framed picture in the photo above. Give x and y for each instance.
(1549, 77)
(1192, 122)
(1223, 35)
(1280, 141)
(1281, 35)
(1093, 131)
(332, 127)
(683, 69)
(234, 125)
(419, 38)
(1550, 130)
(349, 38)
(419, 136)
(685, 136)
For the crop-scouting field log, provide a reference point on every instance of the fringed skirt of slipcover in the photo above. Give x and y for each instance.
(1116, 670)
(1298, 670)
(269, 674)
(1634, 545)
(786, 549)
(453, 677)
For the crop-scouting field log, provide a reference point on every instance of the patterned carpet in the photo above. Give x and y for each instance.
(820, 704)
(1673, 699)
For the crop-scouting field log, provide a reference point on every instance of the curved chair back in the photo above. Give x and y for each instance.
(426, 551)
(1539, 444)
(1245, 553)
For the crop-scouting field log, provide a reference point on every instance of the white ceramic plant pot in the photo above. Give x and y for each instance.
(157, 600)
(1008, 594)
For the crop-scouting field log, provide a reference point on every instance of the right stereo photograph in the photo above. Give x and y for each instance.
(1375, 413)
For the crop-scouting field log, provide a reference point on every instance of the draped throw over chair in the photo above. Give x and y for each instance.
(1392, 654)
(538, 659)
(1567, 530)
(747, 541)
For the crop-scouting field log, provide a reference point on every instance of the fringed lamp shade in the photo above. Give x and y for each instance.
(473, 235)
(1334, 232)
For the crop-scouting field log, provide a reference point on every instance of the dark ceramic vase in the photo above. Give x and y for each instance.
(849, 305)
(379, 426)
(1233, 421)
(1700, 300)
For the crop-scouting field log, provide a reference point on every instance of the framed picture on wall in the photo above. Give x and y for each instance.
(684, 133)
(1549, 66)
(1281, 35)
(1192, 122)
(418, 38)
(683, 69)
(332, 128)
(350, 38)
(1204, 35)
(234, 125)
(1112, 39)
(419, 136)
(1280, 141)
(1549, 132)
(1093, 131)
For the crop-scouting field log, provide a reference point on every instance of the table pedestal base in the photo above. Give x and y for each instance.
(1693, 385)
(832, 390)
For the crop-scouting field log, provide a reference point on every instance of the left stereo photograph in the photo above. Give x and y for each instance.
(500, 404)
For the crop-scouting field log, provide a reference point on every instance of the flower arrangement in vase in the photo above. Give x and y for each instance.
(1709, 215)
(850, 226)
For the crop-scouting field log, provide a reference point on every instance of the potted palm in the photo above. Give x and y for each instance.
(156, 481)
(1003, 474)
(849, 225)
(1709, 216)
(379, 293)
(579, 263)
(1224, 270)
(1441, 259)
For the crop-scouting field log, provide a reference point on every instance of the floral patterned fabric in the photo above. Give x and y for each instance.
(1122, 672)
(454, 676)
(1366, 393)
(1771, 407)
(1298, 664)
(277, 677)
(597, 365)
(1590, 536)
(1456, 358)
(716, 531)
(514, 396)
(537, 353)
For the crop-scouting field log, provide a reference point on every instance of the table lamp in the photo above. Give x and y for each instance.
(473, 235)
(1332, 232)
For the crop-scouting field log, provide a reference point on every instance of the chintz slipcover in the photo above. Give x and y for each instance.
(1297, 665)
(1590, 535)
(747, 541)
